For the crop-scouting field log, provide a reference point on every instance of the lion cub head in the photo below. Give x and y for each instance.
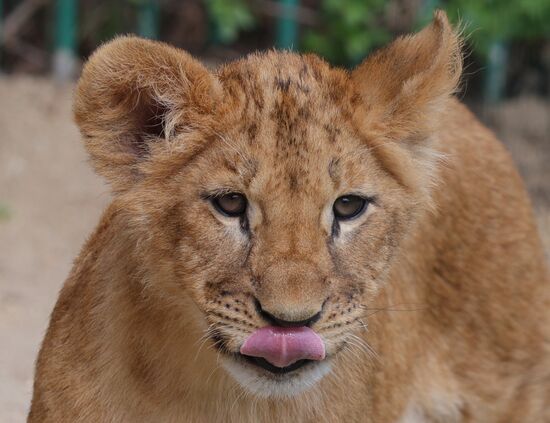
(272, 194)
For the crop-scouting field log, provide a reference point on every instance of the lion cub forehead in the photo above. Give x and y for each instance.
(292, 115)
(285, 98)
(283, 73)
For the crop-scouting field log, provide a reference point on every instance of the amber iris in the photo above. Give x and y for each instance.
(232, 204)
(349, 206)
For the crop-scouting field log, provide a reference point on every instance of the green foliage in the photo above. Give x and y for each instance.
(487, 21)
(116, 18)
(229, 17)
(349, 30)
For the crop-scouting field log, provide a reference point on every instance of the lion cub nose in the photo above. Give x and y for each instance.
(278, 319)
(291, 293)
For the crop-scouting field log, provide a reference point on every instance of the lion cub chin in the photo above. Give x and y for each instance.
(293, 242)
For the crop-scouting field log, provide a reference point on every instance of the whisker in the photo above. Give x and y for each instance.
(357, 348)
(203, 339)
(352, 349)
(364, 344)
(231, 320)
(392, 308)
(205, 334)
(362, 324)
(216, 367)
(231, 325)
(346, 324)
(241, 394)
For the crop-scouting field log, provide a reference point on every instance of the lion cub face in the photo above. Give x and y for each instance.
(271, 195)
(290, 218)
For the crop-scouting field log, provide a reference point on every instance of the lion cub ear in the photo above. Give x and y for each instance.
(406, 84)
(131, 100)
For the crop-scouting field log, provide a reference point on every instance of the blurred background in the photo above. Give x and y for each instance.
(49, 198)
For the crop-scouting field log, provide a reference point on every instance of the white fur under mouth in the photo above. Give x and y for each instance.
(264, 384)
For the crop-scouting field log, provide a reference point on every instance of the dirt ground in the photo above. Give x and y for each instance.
(50, 201)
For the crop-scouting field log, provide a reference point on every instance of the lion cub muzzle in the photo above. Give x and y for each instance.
(291, 293)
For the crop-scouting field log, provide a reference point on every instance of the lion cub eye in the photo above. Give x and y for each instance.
(232, 204)
(349, 206)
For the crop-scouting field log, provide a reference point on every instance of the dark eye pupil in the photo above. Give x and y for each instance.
(348, 206)
(232, 204)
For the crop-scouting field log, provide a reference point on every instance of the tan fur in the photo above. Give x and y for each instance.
(435, 302)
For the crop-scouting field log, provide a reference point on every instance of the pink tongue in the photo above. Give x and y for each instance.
(284, 346)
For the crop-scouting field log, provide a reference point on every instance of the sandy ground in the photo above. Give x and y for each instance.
(50, 201)
(53, 201)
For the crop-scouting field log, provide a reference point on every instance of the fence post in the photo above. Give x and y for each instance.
(287, 27)
(495, 77)
(64, 60)
(148, 18)
(1, 34)
(426, 11)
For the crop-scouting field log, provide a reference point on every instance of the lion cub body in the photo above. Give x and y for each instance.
(446, 270)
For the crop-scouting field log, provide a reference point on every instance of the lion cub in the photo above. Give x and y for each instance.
(291, 242)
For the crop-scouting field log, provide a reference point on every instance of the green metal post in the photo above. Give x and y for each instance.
(427, 10)
(287, 27)
(148, 19)
(1, 33)
(64, 65)
(495, 78)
